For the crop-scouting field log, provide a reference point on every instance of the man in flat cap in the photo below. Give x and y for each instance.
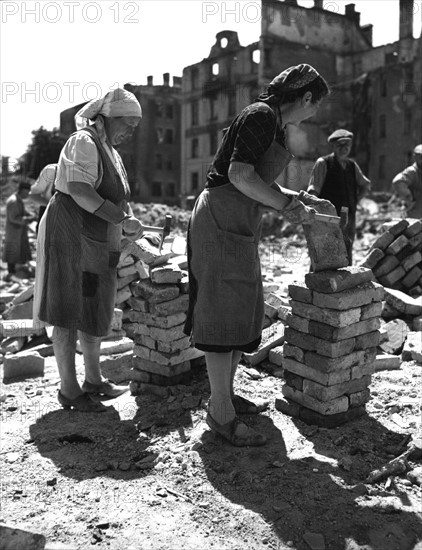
(408, 185)
(339, 179)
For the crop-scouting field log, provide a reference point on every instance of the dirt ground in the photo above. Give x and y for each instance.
(149, 475)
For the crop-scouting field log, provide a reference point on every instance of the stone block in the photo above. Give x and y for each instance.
(403, 303)
(272, 337)
(19, 538)
(127, 271)
(23, 364)
(133, 329)
(125, 281)
(142, 352)
(299, 323)
(293, 380)
(24, 296)
(346, 278)
(416, 291)
(414, 259)
(117, 320)
(412, 350)
(158, 321)
(412, 277)
(275, 356)
(142, 270)
(359, 398)
(397, 245)
(176, 345)
(119, 346)
(371, 310)
(177, 305)
(328, 365)
(283, 312)
(326, 246)
(389, 312)
(387, 362)
(328, 393)
(414, 227)
(334, 406)
(416, 242)
(404, 253)
(351, 298)
(167, 334)
(138, 304)
(324, 378)
(141, 376)
(372, 259)
(145, 251)
(13, 345)
(154, 294)
(117, 367)
(153, 367)
(300, 293)
(294, 352)
(383, 241)
(396, 331)
(275, 300)
(270, 311)
(365, 341)
(362, 370)
(330, 421)
(393, 277)
(21, 328)
(176, 358)
(322, 347)
(19, 311)
(269, 287)
(181, 260)
(385, 266)
(395, 227)
(333, 334)
(167, 274)
(125, 260)
(331, 317)
(122, 295)
(145, 341)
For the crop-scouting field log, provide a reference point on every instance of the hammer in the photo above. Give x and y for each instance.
(166, 231)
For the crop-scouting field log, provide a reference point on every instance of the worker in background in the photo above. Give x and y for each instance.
(339, 179)
(407, 185)
(43, 189)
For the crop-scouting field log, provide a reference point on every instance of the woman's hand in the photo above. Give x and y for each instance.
(296, 212)
(132, 228)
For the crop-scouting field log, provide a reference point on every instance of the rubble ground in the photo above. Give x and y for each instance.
(149, 475)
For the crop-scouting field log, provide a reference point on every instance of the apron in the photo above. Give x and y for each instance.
(226, 300)
(81, 255)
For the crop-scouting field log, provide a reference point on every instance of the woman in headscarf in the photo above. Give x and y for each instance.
(226, 309)
(79, 243)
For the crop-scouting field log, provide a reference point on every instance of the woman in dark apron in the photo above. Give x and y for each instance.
(226, 309)
(79, 245)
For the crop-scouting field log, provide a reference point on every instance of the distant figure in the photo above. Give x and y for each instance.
(408, 185)
(339, 179)
(43, 189)
(16, 248)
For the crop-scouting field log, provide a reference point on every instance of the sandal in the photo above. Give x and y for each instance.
(104, 391)
(228, 432)
(244, 406)
(82, 403)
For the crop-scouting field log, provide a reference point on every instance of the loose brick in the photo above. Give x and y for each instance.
(338, 405)
(141, 351)
(416, 291)
(403, 303)
(412, 277)
(393, 277)
(127, 271)
(396, 331)
(283, 312)
(13, 345)
(327, 393)
(145, 251)
(326, 246)
(383, 241)
(412, 260)
(322, 347)
(125, 260)
(415, 227)
(275, 356)
(339, 280)
(359, 398)
(23, 364)
(167, 274)
(333, 334)
(125, 281)
(397, 245)
(352, 298)
(20, 328)
(142, 270)
(412, 350)
(371, 310)
(154, 294)
(294, 352)
(178, 305)
(300, 293)
(299, 323)
(272, 337)
(395, 227)
(331, 317)
(19, 311)
(123, 294)
(270, 311)
(387, 362)
(386, 265)
(324, 378)
(138, 304)
(369, 340)
(373, 258)
(416, 242)
(145, 341)
(23, 296)
(117, 367)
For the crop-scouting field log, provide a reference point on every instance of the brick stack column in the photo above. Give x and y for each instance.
(330, 348)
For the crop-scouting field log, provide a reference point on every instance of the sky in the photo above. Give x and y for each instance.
(55, 54)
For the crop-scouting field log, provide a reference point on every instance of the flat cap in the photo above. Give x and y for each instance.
(418, 149)
(340, 135)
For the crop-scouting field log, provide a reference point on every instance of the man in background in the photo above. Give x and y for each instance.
(43, 189)
(339, 179)
(407, 185)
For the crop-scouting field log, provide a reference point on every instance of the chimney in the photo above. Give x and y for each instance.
(367, 31)
(177, 81)
(406, 19)
(166, 79)
(318, 4)
(352, 14)
(149, 80)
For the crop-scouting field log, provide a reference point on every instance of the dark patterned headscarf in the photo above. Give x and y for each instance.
(290, 80)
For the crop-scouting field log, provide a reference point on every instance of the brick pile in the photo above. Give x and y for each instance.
(330, 346)
(396, 256)
(155, 289)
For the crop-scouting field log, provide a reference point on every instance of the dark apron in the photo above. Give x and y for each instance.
(226, 306)
(81, 255)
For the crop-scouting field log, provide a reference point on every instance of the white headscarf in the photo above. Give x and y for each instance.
(118, 102)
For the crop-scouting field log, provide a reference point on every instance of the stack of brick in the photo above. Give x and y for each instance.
(154, 291)
(396, 256)
(330, 346)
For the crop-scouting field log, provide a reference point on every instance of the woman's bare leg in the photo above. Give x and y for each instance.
(64, 345)
(219, 366)
(91, 351)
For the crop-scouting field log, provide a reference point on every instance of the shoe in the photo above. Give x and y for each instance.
(228, 432)
(82, 403)
(244, 406)
(106, 390)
